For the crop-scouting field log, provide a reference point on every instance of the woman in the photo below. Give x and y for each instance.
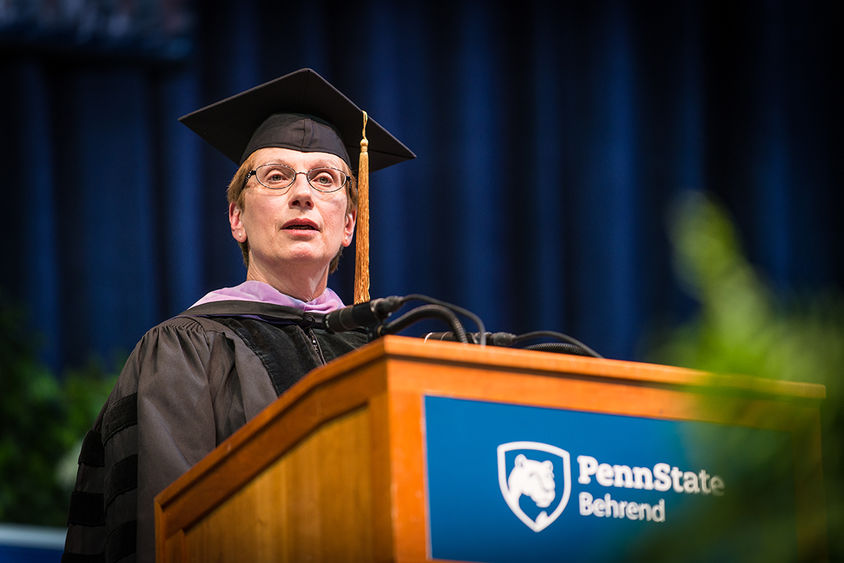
(196, 378)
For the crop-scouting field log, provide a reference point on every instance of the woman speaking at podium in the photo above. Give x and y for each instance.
(196, 378)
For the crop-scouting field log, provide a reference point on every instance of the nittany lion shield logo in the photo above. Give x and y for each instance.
(535, 480)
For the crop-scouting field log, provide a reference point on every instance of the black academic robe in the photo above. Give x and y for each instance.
(188, 385)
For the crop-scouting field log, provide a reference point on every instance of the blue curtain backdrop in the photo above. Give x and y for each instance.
(551, 137)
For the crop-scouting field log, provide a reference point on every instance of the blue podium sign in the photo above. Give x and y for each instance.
(508, 483)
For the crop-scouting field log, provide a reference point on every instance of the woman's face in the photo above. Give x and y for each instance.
(299, 227)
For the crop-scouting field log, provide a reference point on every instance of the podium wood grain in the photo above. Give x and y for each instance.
(334, 470)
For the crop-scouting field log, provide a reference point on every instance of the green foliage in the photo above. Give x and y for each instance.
(43, 420)
(742, 327)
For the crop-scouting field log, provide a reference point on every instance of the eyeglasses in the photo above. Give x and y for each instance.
(276, 176)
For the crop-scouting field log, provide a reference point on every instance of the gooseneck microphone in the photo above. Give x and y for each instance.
(372, 316)
(492, 338)
(565, 344)
(427, 311)
(363, 315)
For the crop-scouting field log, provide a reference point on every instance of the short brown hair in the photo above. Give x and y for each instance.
(235, 195)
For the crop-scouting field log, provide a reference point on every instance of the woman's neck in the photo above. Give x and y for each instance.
(299, 283)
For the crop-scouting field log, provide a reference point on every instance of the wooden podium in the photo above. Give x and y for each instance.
(335, 469)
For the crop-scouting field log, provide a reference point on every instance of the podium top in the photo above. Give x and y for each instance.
(385, 385)
(547, 365)
(553, 364)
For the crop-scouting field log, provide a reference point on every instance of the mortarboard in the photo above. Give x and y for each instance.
(303, 111)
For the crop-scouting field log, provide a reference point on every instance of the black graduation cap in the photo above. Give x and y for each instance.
(279, 114)
(304, 112)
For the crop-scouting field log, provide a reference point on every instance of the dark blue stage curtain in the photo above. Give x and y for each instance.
(551, 139)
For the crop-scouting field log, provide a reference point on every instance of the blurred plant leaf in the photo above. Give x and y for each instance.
(43, 419)
(742, 327)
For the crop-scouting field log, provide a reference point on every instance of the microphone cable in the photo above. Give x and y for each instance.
(372, 315)
(424, 312)
(568, 345)
(457, 309)
(571, 344)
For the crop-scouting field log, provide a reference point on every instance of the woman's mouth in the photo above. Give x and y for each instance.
(300, 225)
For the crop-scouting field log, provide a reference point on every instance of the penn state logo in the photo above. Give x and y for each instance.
(535, 480)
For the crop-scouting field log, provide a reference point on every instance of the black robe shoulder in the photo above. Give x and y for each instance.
(188, 385)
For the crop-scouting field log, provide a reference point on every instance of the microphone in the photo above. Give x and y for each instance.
(363, 315)
(509, 340)
(505, 339)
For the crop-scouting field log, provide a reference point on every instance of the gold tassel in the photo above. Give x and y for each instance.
(362, 244)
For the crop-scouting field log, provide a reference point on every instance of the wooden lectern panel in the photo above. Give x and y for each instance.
(335, 469)
(305, 510)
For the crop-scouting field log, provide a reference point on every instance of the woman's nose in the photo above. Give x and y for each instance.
(301, 193)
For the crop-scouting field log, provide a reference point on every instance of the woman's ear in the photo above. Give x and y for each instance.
(349, 227)
(236, 222)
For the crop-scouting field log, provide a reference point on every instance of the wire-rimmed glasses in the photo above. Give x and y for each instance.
(278, 176)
